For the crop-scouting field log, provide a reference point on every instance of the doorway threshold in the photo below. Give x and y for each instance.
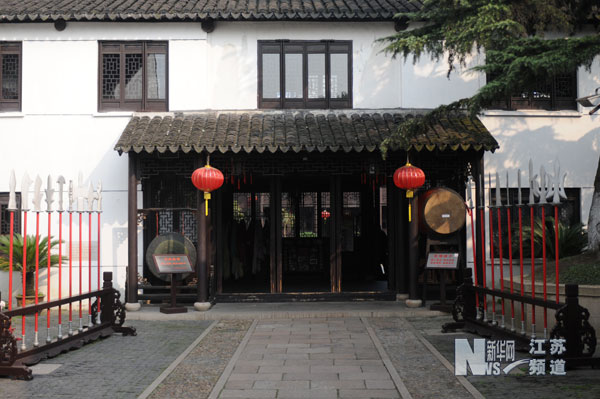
(349, 296)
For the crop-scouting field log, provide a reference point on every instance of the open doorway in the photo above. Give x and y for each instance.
(364, 240)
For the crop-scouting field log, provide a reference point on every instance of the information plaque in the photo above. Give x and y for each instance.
(172, 263)
(442, 260)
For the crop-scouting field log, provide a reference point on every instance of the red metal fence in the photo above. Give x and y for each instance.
(475, 306)
(105, 313)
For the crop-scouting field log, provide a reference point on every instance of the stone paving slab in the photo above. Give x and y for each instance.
(309, 369)
(115, 367)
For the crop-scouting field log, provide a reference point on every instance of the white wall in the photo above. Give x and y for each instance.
(232, 60)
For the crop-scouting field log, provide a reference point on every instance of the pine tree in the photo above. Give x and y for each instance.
(524, 41)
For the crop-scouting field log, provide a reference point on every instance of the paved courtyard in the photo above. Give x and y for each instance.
(290, 352)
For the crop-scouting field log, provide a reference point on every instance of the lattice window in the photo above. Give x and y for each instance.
(262, 205)
(308, 215)
(288, 215)
(10, 76)
(5, 215)
(351, 203)
(242, 207)
(557, 93)
(133, 76)
(111, 66)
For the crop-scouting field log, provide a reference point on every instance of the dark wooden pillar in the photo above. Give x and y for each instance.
(219, 241)
(202, 254)
(276, 264)
(335, 243)
(479, 174)
(391, 234)
(210, 256)
(132, 245)
(398, 205)
(413, 250)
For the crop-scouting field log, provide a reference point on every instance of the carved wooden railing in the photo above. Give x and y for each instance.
(14, 362)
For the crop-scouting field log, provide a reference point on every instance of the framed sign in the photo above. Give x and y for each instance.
(172, 263)
(442, 260)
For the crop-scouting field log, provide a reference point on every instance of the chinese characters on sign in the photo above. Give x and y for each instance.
(172, 263)
(487, 356)
(442, 260)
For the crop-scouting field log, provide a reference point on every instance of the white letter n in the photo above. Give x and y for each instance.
(474, 358)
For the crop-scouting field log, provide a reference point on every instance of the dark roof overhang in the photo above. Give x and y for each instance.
(296, 131)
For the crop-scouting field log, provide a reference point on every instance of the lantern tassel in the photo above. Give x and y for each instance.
(409, 195)
(206, 198)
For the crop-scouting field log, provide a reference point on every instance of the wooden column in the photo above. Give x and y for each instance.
(275, 258)
(219, 242)
(413, 250)
(479, 202)
(132, 247)
(278, 234)
(210, 256)
(335, 243)
(391, 235)
(201, 249)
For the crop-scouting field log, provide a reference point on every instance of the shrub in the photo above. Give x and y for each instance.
(572, 240)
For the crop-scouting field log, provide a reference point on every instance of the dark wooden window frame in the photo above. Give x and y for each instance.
(145, 104)
(304, 47)
(4, 196)
(554, 103)
(11, 105)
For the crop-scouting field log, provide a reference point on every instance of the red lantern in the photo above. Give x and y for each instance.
(325, 214)
(409, 178)
(207, 179)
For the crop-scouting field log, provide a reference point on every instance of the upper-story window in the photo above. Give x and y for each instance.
(10, 76)
(5, 214)
(133, 76)
(558, 93)
(304, 74)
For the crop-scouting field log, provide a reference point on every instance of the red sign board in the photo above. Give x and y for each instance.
(442, 260)
(172, 263)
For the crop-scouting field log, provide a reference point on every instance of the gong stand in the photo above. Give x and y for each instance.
(172, 264)
(443, 248)
(173, 308)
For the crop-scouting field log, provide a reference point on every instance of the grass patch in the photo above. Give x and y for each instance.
(581, 269)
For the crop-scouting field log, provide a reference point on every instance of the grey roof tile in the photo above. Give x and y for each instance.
(191, 10)
(296, 130)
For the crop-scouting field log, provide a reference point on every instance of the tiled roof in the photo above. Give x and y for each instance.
(273, 131)
(193, 10)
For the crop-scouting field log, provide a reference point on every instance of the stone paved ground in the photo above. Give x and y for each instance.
(309, 358)
(115, 367)
(293, 357)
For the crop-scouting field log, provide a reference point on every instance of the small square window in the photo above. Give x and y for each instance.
(5, 215)
(10, 76)
(304, 74)
(133, 76)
